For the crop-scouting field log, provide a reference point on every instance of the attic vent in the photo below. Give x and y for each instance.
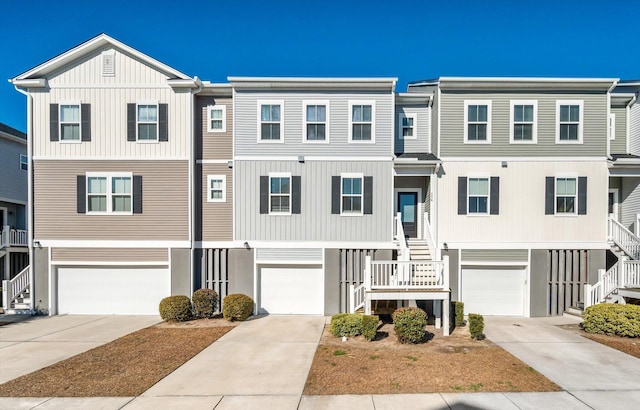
(108, 63)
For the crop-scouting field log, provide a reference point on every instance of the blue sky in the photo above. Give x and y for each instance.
(411, 40)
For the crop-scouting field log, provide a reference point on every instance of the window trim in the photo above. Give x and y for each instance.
(223, 178)
(372, 103)
(352, 175)
(24, 161)
(221, 107)
(306, 103)
(479, 176)
(467, 103)
(157, 122)
(512, 123)
(555, 195)
(580, 104)
(260, 103)
(281, 175)
(403, 115)
(109, 193)
(60, 122)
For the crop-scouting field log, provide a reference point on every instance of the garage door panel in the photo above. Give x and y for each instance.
(292, 290)
(112, 290)
(493, 291)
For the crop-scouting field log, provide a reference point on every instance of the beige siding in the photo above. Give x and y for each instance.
(522, 216)
(619, 144)
(217, 217)
(452, 127)
(214, 145)
(165, 202)
(109, 255)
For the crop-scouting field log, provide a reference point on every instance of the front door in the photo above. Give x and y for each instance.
(613, 203)
(408, 207)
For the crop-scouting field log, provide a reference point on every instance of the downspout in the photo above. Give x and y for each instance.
(29, 195)
(192, 179)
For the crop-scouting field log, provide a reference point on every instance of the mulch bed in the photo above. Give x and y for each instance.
(442, 364)
(125, 367)
(628, 345)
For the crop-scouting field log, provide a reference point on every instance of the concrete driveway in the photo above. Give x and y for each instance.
(42, 341)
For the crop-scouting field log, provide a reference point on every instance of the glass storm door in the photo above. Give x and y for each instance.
(408, 207)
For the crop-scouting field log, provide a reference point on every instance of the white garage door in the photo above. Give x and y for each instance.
(292, 290)
(125, 291)
(493, 291)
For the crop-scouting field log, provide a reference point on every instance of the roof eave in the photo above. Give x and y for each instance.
(307, 83)
(532, 83)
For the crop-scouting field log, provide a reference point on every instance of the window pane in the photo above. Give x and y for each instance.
(147, 113)
(285, 186)
(357, 113)
(482, 113)
(265, 113)
(275, 185)
(121, 185)
(70, 132)
(564, 113)
(528, 113)
(366, 113)
(311, 113)
(216, 124)
(407, 132)
(358, 132)
(97, 185)
(216, 114)
(216, 184)
(121, 203)
(518, 113)
(97, 203)
(275, 113)
(321, 113)
(574, 113)
(573, 131)
(147, 131)
(216, 194)
(346, 186)
(472, 113)
(70, 113)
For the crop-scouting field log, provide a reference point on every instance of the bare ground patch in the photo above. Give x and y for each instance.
(626, 345)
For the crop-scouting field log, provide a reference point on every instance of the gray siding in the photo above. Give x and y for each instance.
(634, 129)
(629, 202)
(452, 131)
(181, 272)
(246, 123)
(422, 129)
(619, 144)
(494, 255)
(315, 223)
(13, 180)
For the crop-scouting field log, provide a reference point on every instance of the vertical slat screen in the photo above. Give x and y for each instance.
(566, 275)
(215, 272)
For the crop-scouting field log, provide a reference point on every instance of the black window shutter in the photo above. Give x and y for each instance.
(54, 129)
(85, 114)
(495, 196)
(335, 195)
(163, 126)
(462, 195)
(582, 195)
(137, 194)
(549, 196)
(368, 196)
(296, 189)
(131, 122)
(264, 194)
(81, 196)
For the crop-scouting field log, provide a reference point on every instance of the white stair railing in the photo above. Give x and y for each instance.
(630, 274)
(358, 295)
(13, 288)
(624, 274)
(428, 236)
(624, 238)
(400, 237)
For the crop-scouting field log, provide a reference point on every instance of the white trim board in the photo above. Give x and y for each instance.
(88, 243)
(310, 158)
(109, 263)
(527, 245)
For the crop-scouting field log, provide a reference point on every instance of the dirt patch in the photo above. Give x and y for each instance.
(440, 364)
(125, 367)
(626, 345)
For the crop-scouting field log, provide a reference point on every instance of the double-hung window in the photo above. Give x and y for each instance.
(270, 124)
(407, 126)
(569, 121)
(566, 194)
(216, 188)
(524, 121)
(109, 193)
(362, 117)
(478, 195)
(24, 162)
(217, 118)
(351, 194)
(280, 194)
(147, 122)
(316, 121)
(477, 122)
(70, 122)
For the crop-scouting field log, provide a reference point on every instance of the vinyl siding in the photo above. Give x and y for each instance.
(214, 145)
(315, 223)
(494, 255)
(634, 129)
(452, 131)
(246, 123)
(522, 216)
(422, 142)
(290, 255)
(165, 195)
(109, 255)
(619, 144)
(13, 180)
(216, 222)
(629, 202)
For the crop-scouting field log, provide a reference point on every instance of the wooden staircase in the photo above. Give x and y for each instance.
(419, 250)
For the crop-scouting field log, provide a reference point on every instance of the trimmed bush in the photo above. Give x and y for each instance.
(370, 326)
(346, 324)
(476, 326)
(459, 309)
(612, 319)
(409, 324)
(205, 303)
(176, 308)
(237, 307)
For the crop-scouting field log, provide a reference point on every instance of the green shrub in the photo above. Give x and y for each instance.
(346, 324)
(476, 326)
(370, 326)
(176, 308)
(409, 324)
(237, 307)
(459, 309)
(205, 303)
(612, 319)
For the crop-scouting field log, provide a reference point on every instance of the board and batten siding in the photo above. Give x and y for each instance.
(216, 218)
(521, 217)
(629, 202)
(13, 185)
(422, 129)
(315, 222)
(494, 255)
(634, 129)
(110, 254)
(619, 144)
(246, 123)
(214, 145)
(452, 128)
(165, 197)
